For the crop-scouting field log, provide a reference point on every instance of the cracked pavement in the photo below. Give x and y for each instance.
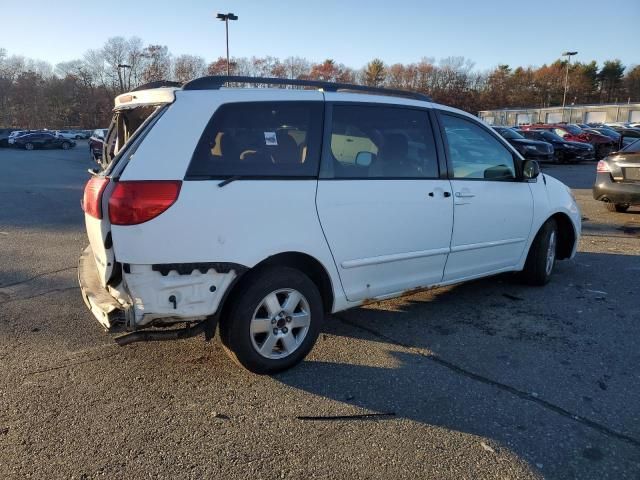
(489, 379)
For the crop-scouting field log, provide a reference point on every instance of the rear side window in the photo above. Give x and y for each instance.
(260, 139)
(380, 142)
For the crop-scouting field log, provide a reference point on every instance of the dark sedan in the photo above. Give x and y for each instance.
(564, 150)
(43, 140)
(529, 149)
(618, 179)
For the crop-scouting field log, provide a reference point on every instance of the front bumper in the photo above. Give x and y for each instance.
(578, 155)
(616, 192)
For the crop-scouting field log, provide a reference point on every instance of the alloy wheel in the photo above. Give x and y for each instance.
(551, 253)
(280, 323)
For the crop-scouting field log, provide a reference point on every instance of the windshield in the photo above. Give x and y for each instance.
(572, 129)
(551, 136)
(509, 134)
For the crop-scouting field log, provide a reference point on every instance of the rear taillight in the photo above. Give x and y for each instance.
(603, 167)
(134, 202)
(92, 199)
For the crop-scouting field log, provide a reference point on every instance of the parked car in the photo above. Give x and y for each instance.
(96, 142)
(618, 179)
(602, 144)
(532, 149)
(70, 134)
(4, 136)
(629, 135)
(15, 134)
(223, 207)
(609, 132)
(32, 141)
(564, 151)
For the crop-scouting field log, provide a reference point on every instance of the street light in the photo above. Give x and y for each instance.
(566, 79)
(225, 17)
(122, 66)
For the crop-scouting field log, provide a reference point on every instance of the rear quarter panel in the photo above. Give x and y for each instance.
(244, 222)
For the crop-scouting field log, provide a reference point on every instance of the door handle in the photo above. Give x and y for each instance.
(464, 195)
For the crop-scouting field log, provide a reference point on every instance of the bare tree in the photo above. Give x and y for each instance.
(158, 63)
(188, 67)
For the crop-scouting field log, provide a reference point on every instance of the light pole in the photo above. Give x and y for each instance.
(566, 79)
(225, 17)
(122, 66)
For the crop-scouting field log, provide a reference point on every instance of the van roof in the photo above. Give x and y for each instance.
(156, 93)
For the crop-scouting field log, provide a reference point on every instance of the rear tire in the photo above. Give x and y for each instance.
(542, 255)
(66, 145)
(267, 329)
(28, 146)
(617, 207)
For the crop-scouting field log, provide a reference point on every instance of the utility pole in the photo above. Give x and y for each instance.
(566, 79)
(225, 17)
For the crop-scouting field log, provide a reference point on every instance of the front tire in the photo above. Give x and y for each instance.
(542, 255)
(66, 145)
(617, 207)
(28, 146)
(274, 320)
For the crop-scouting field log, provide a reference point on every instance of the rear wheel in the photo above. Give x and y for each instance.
(66, 145)
(28, 146)
(274, 321)
(542, 255)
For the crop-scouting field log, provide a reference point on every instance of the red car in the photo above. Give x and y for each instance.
(602, 144)
(96, 141)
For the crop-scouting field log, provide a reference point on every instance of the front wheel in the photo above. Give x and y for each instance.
(274, 320)
(542, 255)
(66, 145)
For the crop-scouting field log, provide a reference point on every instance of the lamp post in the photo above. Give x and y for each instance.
(122, 66)
(225, 17)
(566, 79)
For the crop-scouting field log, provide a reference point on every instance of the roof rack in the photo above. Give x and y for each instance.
(217, 81)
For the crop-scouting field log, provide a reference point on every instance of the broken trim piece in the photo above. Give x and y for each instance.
(159, 335)
(202, 267)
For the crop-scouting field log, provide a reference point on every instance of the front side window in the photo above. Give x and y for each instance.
(380, 142)
(260, 139)
(475, 153)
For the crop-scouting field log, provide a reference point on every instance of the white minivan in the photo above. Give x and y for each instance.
(263, 209)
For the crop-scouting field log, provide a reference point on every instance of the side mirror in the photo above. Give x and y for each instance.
(364, 159)
(530, 169)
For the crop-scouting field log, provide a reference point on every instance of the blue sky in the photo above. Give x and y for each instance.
(516, 32)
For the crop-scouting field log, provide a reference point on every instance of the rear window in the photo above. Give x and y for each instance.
(260, 139)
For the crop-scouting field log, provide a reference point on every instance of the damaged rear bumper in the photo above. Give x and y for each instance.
(150, 296)
(107, 310)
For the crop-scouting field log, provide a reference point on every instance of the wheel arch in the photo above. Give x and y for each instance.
(566, 235)
(307, 264)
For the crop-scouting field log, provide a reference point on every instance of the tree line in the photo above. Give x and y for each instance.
(79, 93)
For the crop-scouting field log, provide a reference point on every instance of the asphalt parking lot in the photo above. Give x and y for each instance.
(490, 379)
